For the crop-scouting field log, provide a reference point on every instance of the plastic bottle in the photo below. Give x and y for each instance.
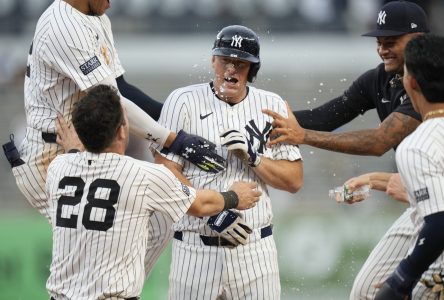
(341, 193)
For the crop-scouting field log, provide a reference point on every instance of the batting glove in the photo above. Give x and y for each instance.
(231, 227)
(238, 143)
(198, 151)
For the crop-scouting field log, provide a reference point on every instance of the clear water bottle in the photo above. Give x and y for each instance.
(342, 194)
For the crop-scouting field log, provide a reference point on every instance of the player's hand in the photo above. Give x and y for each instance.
(198, 151)
(230, 226)
(285, 130)
(239, 145)
(247, 193)
(396, 188)
(67, 135)
(355, 183)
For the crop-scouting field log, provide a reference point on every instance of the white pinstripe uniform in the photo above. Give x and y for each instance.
(208, 272)
(420, 161)
(99, 206)
(385, 257)
(70, 53)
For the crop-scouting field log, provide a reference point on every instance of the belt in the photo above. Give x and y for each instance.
(220, 241)
(49, 137)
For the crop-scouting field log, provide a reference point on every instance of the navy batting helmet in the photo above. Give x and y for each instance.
(239, 42)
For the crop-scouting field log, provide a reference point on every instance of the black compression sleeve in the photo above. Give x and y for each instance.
(326, 117)
(428, 248)
(142, 100)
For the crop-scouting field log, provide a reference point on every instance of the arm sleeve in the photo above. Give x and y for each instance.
(357, 99)
(175, 115)
(326, 117)
(142, 100)
(429, 246)
(73, 51)
(171, 196)
(140, 123)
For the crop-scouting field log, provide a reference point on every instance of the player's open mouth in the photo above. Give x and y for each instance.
(231, 80)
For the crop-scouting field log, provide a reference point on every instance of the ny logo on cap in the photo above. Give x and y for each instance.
(236, 41)
(381, 17)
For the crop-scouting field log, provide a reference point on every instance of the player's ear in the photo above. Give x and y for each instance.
(121, 133)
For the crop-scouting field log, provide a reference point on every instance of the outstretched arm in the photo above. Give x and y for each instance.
(195, 149)
(361, 142)
(138, 97)
(328, 116)
(209, 202)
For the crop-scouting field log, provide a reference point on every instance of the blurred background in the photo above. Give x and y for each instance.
(311, 51)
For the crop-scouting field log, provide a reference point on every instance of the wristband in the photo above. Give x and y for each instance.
(231, 200)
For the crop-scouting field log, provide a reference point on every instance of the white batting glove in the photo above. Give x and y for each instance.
(231, 226)
(238, 143)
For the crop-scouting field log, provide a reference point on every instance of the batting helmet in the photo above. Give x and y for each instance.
(239, 42)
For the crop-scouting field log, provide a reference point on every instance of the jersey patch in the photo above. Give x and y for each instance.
(421, 194)
(185, 189)
(90, 65)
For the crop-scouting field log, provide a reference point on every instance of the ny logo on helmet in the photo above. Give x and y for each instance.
(381, 17)
(236, 41)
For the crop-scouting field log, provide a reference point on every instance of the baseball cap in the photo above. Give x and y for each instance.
(398, 18)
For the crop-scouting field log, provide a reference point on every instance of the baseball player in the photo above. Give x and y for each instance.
(72, 51)
(100, 202)
(207, 262)
(420, 162)
(381, 89)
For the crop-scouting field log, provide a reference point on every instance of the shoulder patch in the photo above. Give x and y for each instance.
(421, 194)
(90, 65)
(185, 189)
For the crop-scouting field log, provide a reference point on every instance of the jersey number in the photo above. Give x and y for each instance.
(107, 205)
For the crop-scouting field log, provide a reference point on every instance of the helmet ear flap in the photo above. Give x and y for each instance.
(254, 68)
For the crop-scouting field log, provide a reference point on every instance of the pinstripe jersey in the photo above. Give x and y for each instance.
(198, 111)
(70, 52)
(99, 206)
(420, 160)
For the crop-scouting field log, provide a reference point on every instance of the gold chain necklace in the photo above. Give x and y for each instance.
(433, 112)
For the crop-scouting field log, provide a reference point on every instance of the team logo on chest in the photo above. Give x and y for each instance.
(402, 98)
(255, 134)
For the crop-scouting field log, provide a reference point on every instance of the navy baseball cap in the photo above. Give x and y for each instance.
(398, 18)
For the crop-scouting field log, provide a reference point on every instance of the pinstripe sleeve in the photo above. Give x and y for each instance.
(175, 116)
(74, 50)
(118, 68)
(285, 151)
(425, 179)
(171, 196)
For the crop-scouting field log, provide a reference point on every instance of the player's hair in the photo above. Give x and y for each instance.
(97, 116)
(424, 59)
